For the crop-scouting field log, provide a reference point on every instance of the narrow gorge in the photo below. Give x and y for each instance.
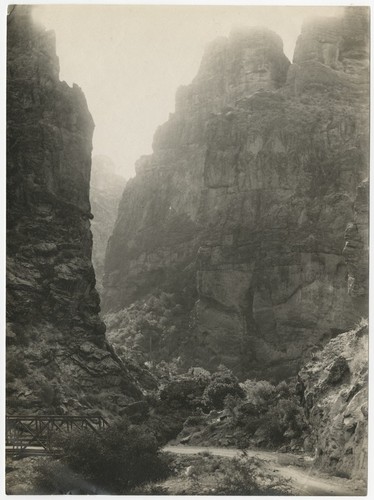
(106, 188)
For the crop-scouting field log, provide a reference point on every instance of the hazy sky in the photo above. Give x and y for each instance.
(130, 60)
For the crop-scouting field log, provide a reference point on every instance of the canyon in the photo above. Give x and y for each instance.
(234, 260)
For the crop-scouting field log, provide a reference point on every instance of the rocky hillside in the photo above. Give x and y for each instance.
(336, 403)
(105, 192)
(58, 359)
(240, 214)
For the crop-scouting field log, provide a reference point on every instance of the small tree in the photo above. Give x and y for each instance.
(222, 384)
(184, 392)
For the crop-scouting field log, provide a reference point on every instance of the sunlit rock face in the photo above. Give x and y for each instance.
(241, 211)
(105, 192)
(57, 356)
(336, 393)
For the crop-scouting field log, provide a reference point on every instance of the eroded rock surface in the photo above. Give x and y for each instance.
(336, 403)
(58, 359)
(240, 212)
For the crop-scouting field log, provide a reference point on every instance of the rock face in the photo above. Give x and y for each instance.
(336, 399)
(105, 192)
(57, 356)
(356, 250)
(240, 212)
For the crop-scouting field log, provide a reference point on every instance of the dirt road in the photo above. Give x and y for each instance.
(304, 478)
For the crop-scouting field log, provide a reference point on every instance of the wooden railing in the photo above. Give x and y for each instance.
(36, 431)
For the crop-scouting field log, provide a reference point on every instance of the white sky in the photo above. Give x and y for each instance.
(130, 60)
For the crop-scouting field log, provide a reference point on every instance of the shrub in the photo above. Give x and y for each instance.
(258, 392)
(222, 384)
(290, 414)
(283, 390)
(119, 458)
(251, 424)
(232, 404)
(185, 392)
(55, 477)
(167, 426)
(272, 429)
(285, 415)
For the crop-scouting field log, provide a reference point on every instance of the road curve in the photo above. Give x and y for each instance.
(304, 480)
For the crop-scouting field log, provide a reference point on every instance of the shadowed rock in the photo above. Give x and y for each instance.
(57, 354)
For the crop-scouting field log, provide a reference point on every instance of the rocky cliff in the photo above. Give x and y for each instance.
(58, 359)
(336, 401)
(240, 214)
(105, 192)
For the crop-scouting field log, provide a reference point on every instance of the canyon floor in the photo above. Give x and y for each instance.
(298, 470)
(198, 470)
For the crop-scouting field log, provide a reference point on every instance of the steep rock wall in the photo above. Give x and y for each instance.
(57, 355)
(106, 188)
(244, 203)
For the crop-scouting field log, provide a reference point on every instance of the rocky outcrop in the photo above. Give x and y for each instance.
(105, 192)
(336, 397)
(58, 359)
(240, 212)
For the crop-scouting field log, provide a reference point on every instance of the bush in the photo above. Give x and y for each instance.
(258, 392)
(283, 416)
(290, 414)
(54, 477)
(222, 384)
(272, 429)
(251, 424)
(185, 392)
(119, 458)
(283, 390)
(232, 404)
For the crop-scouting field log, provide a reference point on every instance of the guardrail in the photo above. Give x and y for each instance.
(36, 431)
